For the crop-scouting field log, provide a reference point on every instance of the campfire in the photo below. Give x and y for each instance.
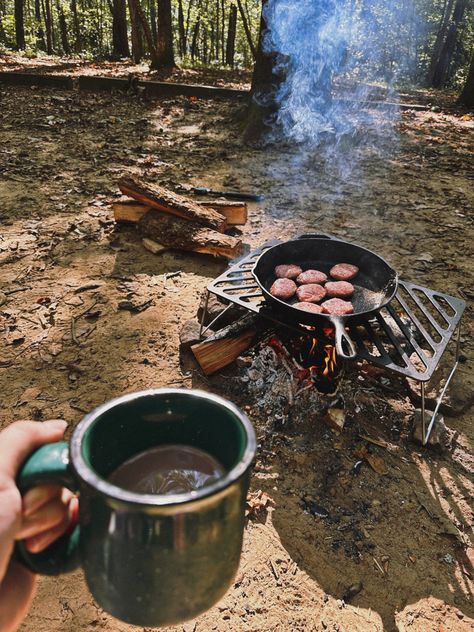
(406, 338)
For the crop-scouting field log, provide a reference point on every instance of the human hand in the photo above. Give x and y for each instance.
(39, 518)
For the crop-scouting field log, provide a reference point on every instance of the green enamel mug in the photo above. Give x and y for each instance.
(148, 559)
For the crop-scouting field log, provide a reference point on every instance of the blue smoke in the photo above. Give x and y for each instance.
(329, 55)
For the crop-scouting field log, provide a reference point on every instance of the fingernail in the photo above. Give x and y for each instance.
(33, 499)
(59, 424)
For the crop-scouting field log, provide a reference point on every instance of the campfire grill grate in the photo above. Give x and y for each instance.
(408, 336)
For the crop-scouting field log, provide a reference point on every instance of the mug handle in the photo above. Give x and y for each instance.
(50, 464)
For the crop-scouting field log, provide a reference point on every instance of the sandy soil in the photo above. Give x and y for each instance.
(404, 537)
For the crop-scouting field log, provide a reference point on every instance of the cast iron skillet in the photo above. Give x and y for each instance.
(374, 286)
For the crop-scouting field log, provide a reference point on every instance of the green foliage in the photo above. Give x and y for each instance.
(404, 38)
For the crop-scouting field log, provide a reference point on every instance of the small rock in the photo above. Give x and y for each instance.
(439, 433)
(189, 334)
(3, 298)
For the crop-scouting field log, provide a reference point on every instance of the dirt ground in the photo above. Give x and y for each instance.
(87, 314)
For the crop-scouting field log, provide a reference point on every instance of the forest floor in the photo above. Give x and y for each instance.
(401, 540)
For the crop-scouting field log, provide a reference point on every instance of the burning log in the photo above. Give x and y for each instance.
(168, 202)
(184, 235)
(129, 210)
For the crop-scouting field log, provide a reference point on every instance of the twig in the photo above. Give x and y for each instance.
(382, 444)
(18, 289)
(274, 570)
(73, 331)
(378, 566)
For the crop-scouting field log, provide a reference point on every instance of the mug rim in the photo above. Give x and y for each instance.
(87, 474)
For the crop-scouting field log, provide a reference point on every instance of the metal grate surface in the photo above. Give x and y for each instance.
(409, 336)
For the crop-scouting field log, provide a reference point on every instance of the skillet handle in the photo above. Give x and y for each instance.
(315, 236)
(342, 337)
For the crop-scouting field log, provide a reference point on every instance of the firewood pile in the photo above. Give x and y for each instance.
(169, 221)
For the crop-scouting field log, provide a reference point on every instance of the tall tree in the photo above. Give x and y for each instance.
(120, 46)
(246, 25)
(40, 42)
(441, 68)
(467, 95)
(231, 32)
(137, 40)
(165, 51)
(63, 28)
(181, 30)
(147, 32)
(76, 27)
(20, 25)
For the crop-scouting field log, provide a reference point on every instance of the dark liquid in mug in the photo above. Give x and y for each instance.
(167, 469)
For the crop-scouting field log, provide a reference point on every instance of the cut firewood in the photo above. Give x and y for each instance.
(172, 203)
(129, 210)
(235, 212)
(213, 356)
(153, 246)
(182, 235)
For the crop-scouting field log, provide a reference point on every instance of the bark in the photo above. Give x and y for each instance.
(63, 28)
(440, 37)
(231, 32)
(264, 85)
(20, 25)
(441, 70)
(194, 43)
(137, 40)
(153, 19)
(77, 27)
(40, 41)
(120, 46)
(467, 95)
(49, 26)
(181, 30)
(148, 34)
(165, 54)
(247, 28)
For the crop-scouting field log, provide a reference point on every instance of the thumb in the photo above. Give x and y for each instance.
(22, 438)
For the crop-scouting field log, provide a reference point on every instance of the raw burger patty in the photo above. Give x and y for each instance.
(287, 271)
(311, 276)
(283, 288)
(341, 289)
(337, 306)
(343, 271)
(310, 293)
(309, 307)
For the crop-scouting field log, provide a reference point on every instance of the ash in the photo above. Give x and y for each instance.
(274, 386)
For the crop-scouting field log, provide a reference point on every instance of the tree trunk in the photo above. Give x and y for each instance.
(247, 28)
(63, 28)
(49, 26)
(231, 32)
(264, 86)
(165, 54)
(440, 37)
(120, 46)
(20, 25)
(148, 34)
(181, 30)
(137, 41)
(153, 18)
(77, 27)
(194, 43)
(467, 95)
(40, 42)
(441, 70)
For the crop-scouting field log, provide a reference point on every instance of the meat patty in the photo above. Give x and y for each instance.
(310, 293)
(343, 271)
(283, 288)
(287, 271)
(337, 306)
(311, 276)
(341, 289)
(309, 307)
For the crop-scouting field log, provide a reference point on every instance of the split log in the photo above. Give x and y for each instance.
(129, 210)
(215, 355)
(234, 212)
(169, 202)
(153, 246)
(183, 235)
